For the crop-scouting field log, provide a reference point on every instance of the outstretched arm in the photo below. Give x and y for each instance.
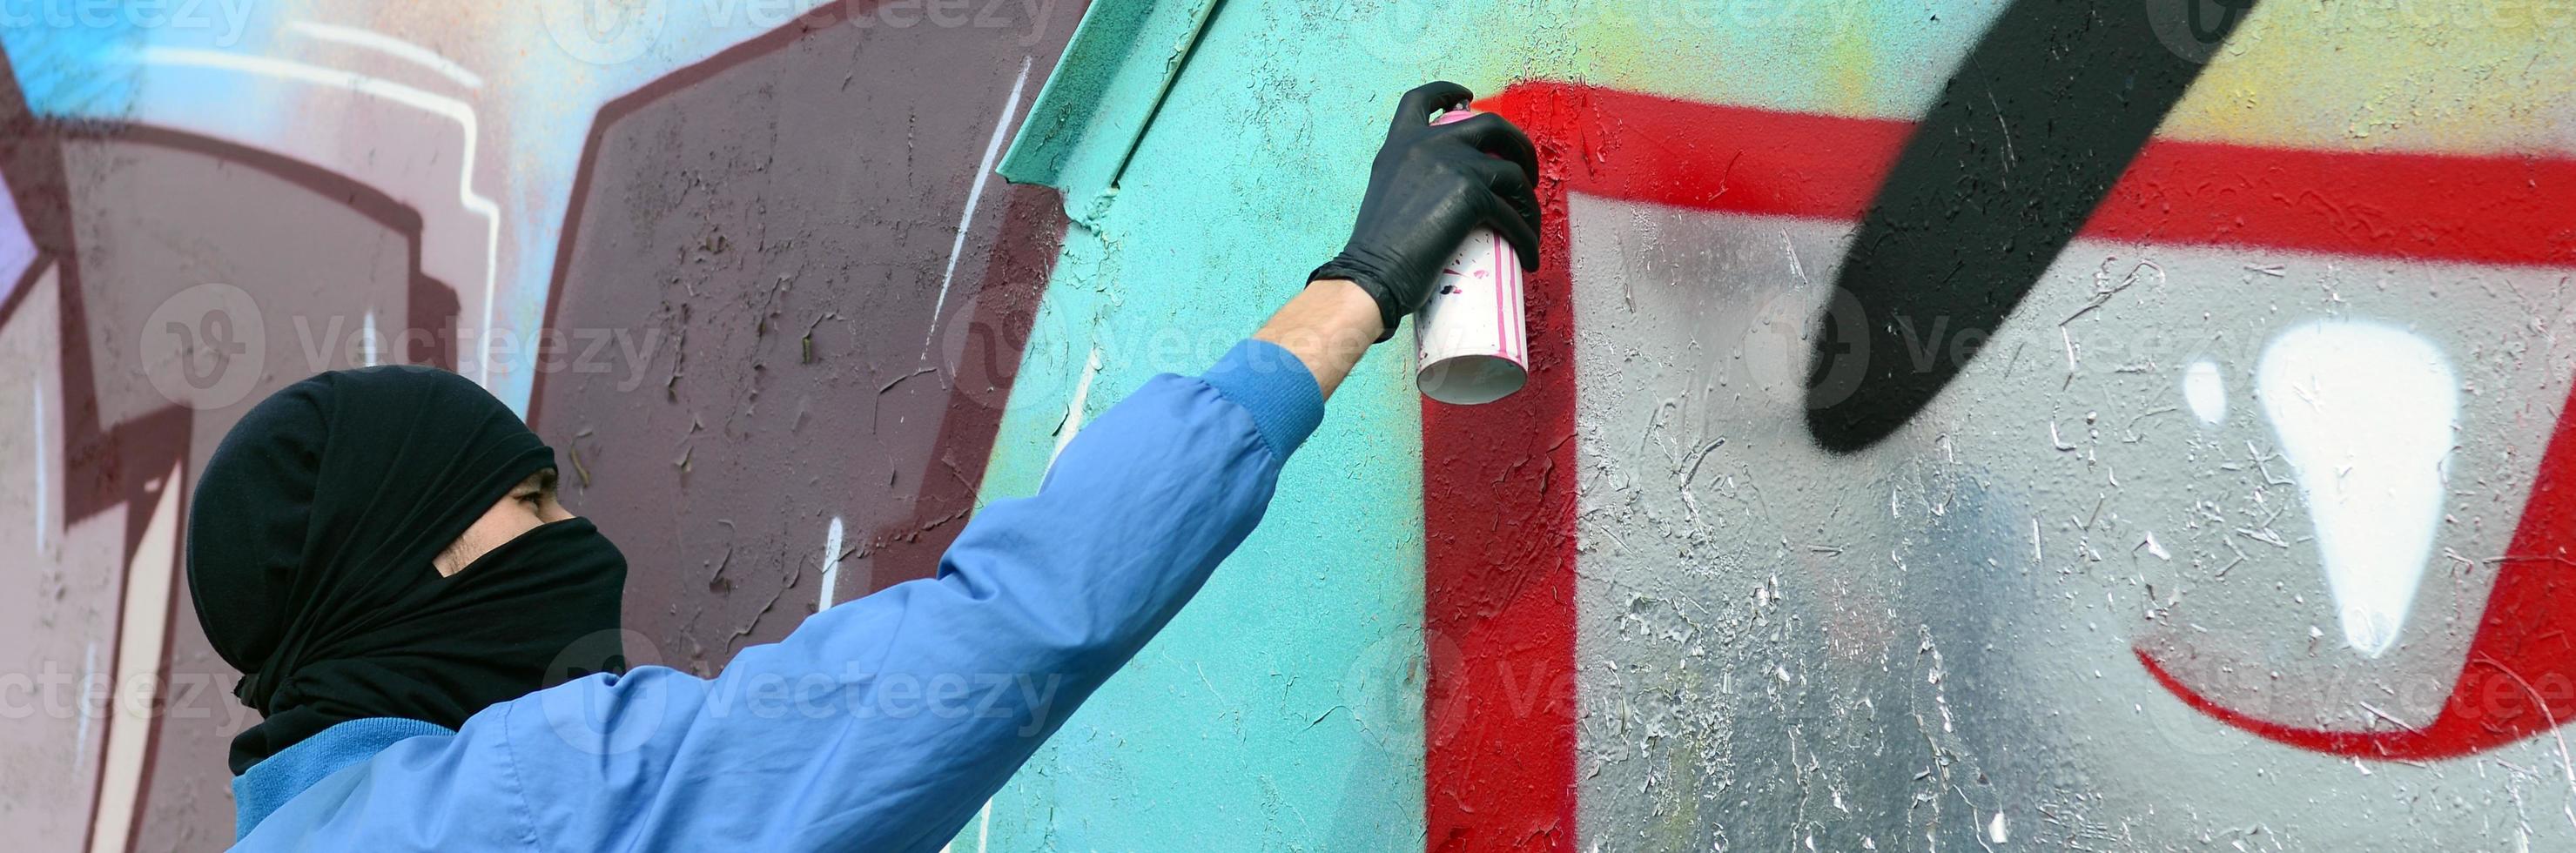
(883, 723)
(944, 686)
(1327, 327)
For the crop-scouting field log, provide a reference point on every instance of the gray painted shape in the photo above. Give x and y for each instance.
(1783, 647)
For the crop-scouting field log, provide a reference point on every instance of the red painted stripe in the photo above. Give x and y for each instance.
(2483, 209)
(2496, 210)
(1498, 479)
(1498, 620)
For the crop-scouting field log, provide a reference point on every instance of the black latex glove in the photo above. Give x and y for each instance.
(1428, 188)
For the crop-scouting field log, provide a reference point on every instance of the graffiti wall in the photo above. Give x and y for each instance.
(1953, 425)
(702, 248)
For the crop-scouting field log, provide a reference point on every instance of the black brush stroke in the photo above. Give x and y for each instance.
(2029, 135)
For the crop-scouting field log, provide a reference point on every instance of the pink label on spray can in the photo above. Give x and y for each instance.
(1470, 339)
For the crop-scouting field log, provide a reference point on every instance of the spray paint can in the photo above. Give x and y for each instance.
(1470, 340)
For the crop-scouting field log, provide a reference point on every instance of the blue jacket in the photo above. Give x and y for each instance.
(879, 724)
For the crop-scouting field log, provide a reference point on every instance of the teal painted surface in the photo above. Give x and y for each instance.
(1280, 710)
(1103, 94)
(1276, 707)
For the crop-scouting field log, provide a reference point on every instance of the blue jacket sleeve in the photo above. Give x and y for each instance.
(885, 722)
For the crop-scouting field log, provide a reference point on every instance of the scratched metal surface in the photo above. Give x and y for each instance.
(1929, 644)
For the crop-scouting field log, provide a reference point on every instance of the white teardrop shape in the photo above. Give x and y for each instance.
(2205, 392)
(2365, 413)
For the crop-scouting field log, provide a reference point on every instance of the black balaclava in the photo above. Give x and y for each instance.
(310, 543)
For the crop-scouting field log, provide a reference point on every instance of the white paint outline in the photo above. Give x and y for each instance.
(974, 198)
(983, 831)
(440, 105)
(141, 628)
(1073, 411)
(80, 736)
(831, 563)
(44, 474)
(390, 46)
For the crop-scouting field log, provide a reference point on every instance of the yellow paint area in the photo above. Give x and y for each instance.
(2467, 76)
(1828, 56)
(2417, 75)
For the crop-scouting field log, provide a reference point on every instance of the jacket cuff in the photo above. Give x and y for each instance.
(1275, 388)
